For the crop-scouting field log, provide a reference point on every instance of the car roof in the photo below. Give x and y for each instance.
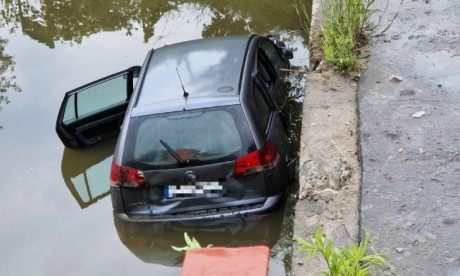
(209, 70)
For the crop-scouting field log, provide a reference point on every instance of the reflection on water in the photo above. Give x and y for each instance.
(49, 21)
(86, 172)
(7, 80)
(151, 242)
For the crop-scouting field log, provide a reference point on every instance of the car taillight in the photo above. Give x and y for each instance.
(264, 159)
(125, 177)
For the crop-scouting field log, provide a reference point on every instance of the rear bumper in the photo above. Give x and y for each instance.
(270, 204)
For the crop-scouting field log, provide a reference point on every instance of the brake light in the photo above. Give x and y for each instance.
(125, 177)
(262, 160)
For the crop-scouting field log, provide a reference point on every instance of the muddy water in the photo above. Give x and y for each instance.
(55, 213)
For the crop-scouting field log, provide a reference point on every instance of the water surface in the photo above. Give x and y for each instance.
(55, 213)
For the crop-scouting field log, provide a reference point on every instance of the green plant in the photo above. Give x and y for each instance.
(345, 30)
(190, 244)
(342, 261)
(303, 12)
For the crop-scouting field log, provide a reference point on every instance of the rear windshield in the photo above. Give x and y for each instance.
(187, 138)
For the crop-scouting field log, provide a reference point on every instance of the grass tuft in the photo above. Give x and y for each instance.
(345, 30)
(342, 261)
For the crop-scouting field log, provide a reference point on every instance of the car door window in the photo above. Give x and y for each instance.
(275, 90)
(94, 112)
(272, 53)
(265, 73)
(96, 98)
(262, 107)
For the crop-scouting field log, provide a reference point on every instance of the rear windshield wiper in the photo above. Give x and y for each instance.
(173, 153)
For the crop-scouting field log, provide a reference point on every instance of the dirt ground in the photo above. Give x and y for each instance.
(329, 168)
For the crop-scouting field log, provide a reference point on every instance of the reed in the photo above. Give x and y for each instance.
(346, 28)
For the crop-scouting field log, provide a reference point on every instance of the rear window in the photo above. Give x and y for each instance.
(187, 138)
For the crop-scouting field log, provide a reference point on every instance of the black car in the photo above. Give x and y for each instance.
(203, 129)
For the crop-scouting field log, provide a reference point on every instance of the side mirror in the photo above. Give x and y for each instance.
(287, 54)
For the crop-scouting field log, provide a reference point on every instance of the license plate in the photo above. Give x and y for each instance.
(198, 189)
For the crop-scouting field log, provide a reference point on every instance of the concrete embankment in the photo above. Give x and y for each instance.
(329, 169)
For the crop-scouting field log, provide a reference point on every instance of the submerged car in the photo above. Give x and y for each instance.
(202, 129)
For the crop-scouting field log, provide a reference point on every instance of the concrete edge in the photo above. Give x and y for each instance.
(339, 218)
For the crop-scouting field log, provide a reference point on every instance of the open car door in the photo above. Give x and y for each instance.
(94, 112)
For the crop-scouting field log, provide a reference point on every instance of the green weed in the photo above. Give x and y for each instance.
(345, 30)
(304, 14)
(189, 244)
(342, 261)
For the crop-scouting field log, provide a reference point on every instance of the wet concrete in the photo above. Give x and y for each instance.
(409, 131)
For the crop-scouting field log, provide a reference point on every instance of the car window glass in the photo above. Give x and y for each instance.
(203, 136)
(263, 73)
(266, 75)
(272, 53)
(268, 79)
(262, 108)
(92, 99)
(202, 69)
(70, 113)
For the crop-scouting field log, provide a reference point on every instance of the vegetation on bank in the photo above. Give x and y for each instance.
(342, 261)
(345, 29)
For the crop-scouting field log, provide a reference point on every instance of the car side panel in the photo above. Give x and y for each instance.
(277, 135)
(278, 179)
